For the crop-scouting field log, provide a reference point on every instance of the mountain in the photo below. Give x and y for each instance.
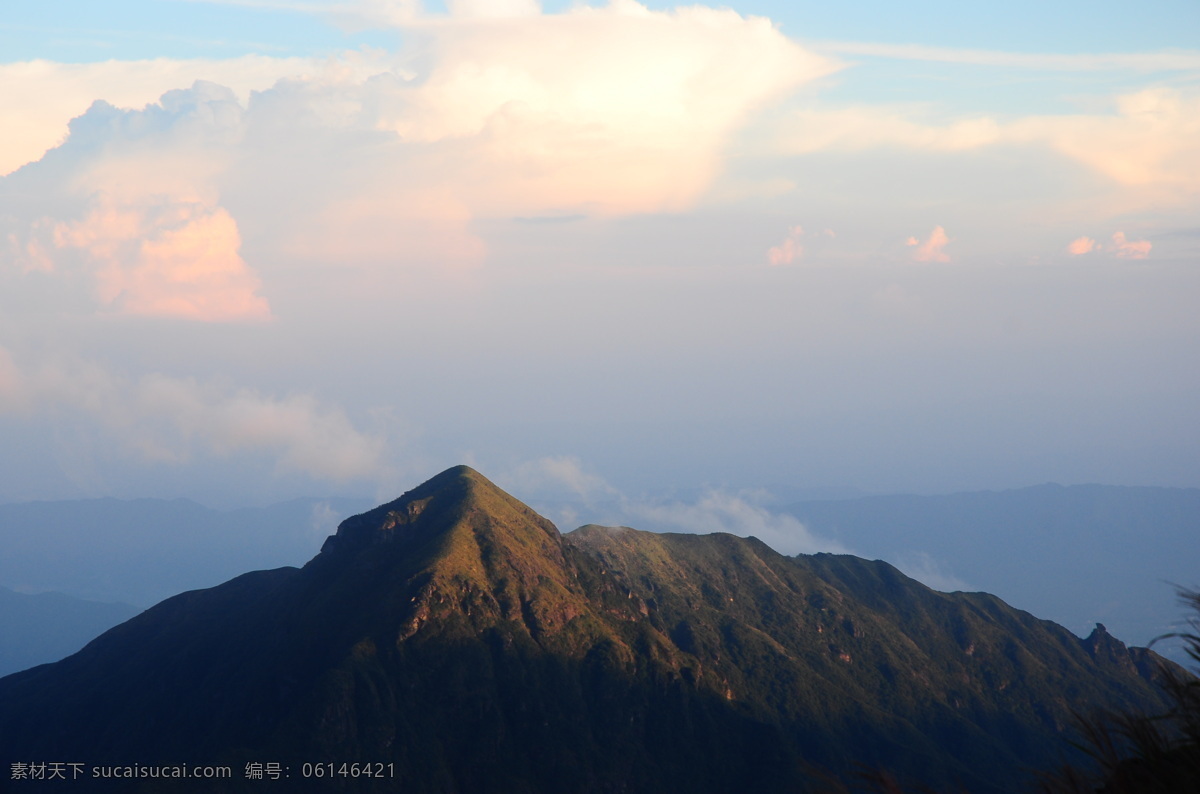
(1077, 554)
(456, 639)
(45, 627)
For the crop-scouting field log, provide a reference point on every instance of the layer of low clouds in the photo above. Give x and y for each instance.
(580, 494)
(720, 511)
(167, 420)
(923, 567)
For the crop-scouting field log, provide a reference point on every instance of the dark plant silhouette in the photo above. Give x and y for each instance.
(1142, 754)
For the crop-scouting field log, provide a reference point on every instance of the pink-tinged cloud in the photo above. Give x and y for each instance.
(172, 260)
(789, 250)
(931, 249)
(1082, 245)
(1131, 249)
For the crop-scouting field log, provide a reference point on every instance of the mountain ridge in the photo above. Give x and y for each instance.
(1079, 554)
(457, 634)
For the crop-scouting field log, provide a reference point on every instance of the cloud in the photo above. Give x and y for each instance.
(931, 249)
(493, 9)
(130, 204)
(556, 473)
(176, 259)
(165, 419)
(925, 569)
(570, 126)
(1153, 139)
(1150, 139)
(1081, 245)
(1131, 249)
(816, 129)
(38, 98)
(718, 511)
(715, 511)
(387, 160)
(1170, 60)
(323, 521)
(1122, 246)
(303, 435)
(789, 250)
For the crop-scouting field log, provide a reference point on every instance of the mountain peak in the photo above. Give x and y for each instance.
(431, 508)
(463, 546)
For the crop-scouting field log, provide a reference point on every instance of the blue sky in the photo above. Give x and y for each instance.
(80, 31)
(596, 250)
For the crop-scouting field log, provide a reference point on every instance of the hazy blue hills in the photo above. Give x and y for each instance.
(1079, 554)
(35, 629)
(141, 551)
(455, 636)
(80, 565)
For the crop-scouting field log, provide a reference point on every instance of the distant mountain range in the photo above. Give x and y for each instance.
(35, 629)
(454, 641)
(143, 550)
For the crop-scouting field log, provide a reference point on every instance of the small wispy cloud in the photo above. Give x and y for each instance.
(1165, 60)
(556, 473)
(1131, 249)
(720, 511)
(323, 521)
(925, 569)
(1122, 246)
(591, 498)
(789, 250)
(1081, 245)
(932, 249)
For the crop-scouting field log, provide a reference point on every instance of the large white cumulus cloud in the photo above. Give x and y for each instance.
(389, 159)
(38, 98)
(613, 109)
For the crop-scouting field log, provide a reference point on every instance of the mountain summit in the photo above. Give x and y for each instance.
(456, 638)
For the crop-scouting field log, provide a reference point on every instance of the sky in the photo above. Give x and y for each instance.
(252, 250)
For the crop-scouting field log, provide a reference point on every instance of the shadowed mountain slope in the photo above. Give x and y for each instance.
(456, 635)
